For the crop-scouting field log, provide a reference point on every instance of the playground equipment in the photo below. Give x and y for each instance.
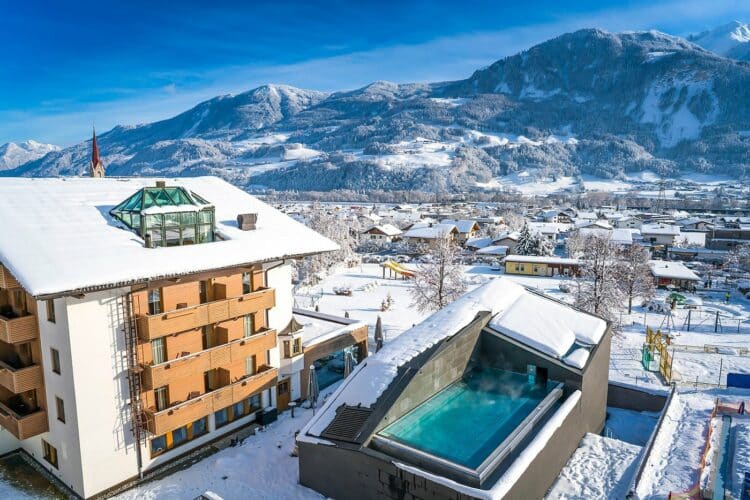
(656, 346)
(395, 270)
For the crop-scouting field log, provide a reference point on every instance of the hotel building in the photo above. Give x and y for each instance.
(139, 321)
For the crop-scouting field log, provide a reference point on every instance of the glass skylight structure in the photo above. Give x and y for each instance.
(168, 216)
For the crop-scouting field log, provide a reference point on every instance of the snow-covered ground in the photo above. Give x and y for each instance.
(262, 467)
(600, 468)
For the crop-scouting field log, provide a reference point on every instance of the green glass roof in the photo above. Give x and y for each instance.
(160, 197)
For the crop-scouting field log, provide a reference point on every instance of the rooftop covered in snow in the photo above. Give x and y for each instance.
(539, 322)
(60, 236)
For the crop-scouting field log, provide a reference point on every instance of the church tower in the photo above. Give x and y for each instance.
(97, 167)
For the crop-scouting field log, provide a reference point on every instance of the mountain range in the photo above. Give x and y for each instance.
(588, 102)
(14, 154)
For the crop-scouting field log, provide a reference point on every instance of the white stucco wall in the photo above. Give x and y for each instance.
(63, 436)
(99, 368)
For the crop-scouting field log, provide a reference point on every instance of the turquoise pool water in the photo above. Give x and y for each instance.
(467, 420)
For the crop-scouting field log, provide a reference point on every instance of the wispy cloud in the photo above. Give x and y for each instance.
(435, 60)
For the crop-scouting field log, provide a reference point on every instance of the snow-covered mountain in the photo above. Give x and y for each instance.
(14, 154)
(589, 102)
(730, 40)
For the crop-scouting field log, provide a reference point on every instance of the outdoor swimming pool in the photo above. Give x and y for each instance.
(469, 419)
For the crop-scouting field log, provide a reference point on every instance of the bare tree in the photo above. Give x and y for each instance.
(634, 274)
(440, 281)
(575, 244)
(513, 220)
(336, 230)
(598, 287)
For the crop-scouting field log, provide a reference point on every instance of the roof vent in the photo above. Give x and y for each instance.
(161, 184)
(246, 222)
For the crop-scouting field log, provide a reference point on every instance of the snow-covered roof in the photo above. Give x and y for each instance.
(386, 229)
(542, 259)
(665, 229)
(532, 319)
(672, 269)
(317, 327)
(482, 242)
(463, 225)
(431, 232)
(493, 250)
(60, 237)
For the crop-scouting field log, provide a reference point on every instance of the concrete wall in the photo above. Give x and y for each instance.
(630, 398)
(365, 475)
(444, 367)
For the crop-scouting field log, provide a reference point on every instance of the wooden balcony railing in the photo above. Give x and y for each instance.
(23, 426)
(220, 356)
(6, 279)
(189, 318)
(159, 422)
(23, 329)
(18, 380)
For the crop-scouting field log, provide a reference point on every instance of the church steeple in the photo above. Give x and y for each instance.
(97, 167)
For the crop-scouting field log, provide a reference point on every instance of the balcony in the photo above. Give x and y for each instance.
(21, 329)
(18, 380)
(159, 422)
(159, 325)
(7, 280)
(23, 426)
(223, 355)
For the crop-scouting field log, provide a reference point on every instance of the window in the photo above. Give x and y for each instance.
(50, 310)
(50, 453)
(158, 445)
(159, 350)
(60, 409)
(249, 325)
(253, 402)
(154, 301)
(199, 427)
(250, 365)
(247, 284)
(55, 355)
(238, 410)
(179, 435)
(161, 395)
(287, 349)
(221, 417)
(297, 346)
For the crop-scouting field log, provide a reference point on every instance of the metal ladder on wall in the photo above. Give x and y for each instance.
(127, 320)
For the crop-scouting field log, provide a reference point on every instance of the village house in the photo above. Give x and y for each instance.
(536, 265)
(430, 233)
(674, 274)
(660, 234)
(383, 233)
(466, 228)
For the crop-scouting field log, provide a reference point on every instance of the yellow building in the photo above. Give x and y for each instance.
(535, 265)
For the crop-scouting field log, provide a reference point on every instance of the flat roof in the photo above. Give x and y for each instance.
(59, 236)
(540, 259)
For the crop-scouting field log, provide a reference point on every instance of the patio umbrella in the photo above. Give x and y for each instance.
(313, 391)
(378, 335)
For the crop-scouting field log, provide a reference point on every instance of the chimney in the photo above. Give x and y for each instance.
(161, 184)
(246, 222)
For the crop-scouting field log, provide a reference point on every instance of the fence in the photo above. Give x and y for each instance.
(694, 492)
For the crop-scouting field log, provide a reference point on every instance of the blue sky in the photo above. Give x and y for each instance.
(67, 65)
